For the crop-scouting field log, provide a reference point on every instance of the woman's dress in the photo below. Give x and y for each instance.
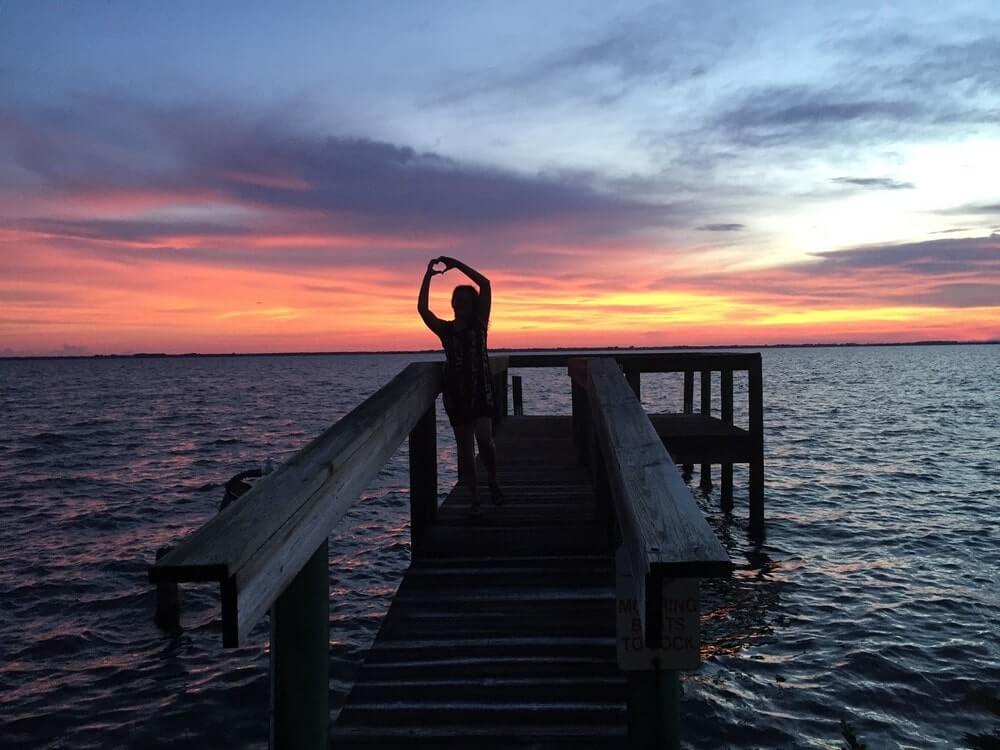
(468, 385)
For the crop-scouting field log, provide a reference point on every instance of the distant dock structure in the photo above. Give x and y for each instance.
(558, 619)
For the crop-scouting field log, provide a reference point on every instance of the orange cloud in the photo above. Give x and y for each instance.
(261, 241)
(57, 295)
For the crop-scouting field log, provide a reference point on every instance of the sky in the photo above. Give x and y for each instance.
(251, 177)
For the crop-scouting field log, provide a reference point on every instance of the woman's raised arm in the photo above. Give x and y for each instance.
(431, 320)
(485, 290)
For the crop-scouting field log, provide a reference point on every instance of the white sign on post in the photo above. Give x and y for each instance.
(681, 623)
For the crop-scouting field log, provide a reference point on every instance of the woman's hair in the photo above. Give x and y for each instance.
(471, 293)
(465, 289)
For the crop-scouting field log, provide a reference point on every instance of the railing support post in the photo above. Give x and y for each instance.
(634, 378)
(515, 381)
(726, 396)
(581, 421)
(300, 659)
(422, 445)
(604, 506)
(756, 394)
(654, 709)
(500, 395)
(688, 409)
(168, 600)
(706, 410)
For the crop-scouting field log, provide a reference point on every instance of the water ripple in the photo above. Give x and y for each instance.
(873, 598)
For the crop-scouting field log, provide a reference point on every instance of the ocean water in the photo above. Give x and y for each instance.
(873, 600)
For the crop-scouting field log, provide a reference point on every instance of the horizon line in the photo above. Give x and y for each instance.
(158, 355)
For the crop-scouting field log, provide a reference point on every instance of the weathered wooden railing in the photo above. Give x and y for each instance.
(664, 547)
(269, 550)
(745, 448)
(725, 363)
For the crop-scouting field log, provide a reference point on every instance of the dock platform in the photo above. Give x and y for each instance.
(561, 618)
(502, 633)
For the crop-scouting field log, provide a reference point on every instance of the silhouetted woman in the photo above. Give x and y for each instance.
(468, 385)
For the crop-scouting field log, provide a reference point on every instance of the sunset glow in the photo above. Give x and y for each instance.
(629, 178)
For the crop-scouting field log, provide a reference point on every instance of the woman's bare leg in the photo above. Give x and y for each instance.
(465, 440)
(487, 449)
(488, 452)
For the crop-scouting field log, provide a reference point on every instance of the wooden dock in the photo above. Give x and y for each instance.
(502, 633)
(559, 619)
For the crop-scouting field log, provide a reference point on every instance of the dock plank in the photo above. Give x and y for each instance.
(700, 438)
(502, 634)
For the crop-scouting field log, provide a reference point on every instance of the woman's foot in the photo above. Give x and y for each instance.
(496, 493)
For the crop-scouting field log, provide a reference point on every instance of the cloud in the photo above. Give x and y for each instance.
(928, 62)
(971, 209)
(722, 227)
(973, 255)
(880, 87)
(960, 295)
(657, 45)
(265, 177)
(779, 115)
(874, 183)
(123, 230)
(950, 272)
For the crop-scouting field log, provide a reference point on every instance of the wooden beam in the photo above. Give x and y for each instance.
(706, 410)
(654, 720)
(518, 395)
(577, 368)
(643, 361)
(634, 377)
(580, 421)
(755, 389)
(663, 530)
(688, 408)
(682, 361)
(499, 363)
(688, 392)
(300, 658)
(168, 600)
(499, 367)
(255, 547)
(422, 449)
(726, 398)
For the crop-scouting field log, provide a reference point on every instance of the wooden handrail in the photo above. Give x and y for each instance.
(254, 548)
(499, 363)
(645, 361)
(664, 533)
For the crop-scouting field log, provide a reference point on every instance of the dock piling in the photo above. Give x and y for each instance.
(518, 395)
(633, 375)
(726, 396)
(422, 448)
(756, 408)
(688, 408)
(168, 600)
(560, 531)
(499, 368)
(706, 410)
(654, 720)
(300, 659)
